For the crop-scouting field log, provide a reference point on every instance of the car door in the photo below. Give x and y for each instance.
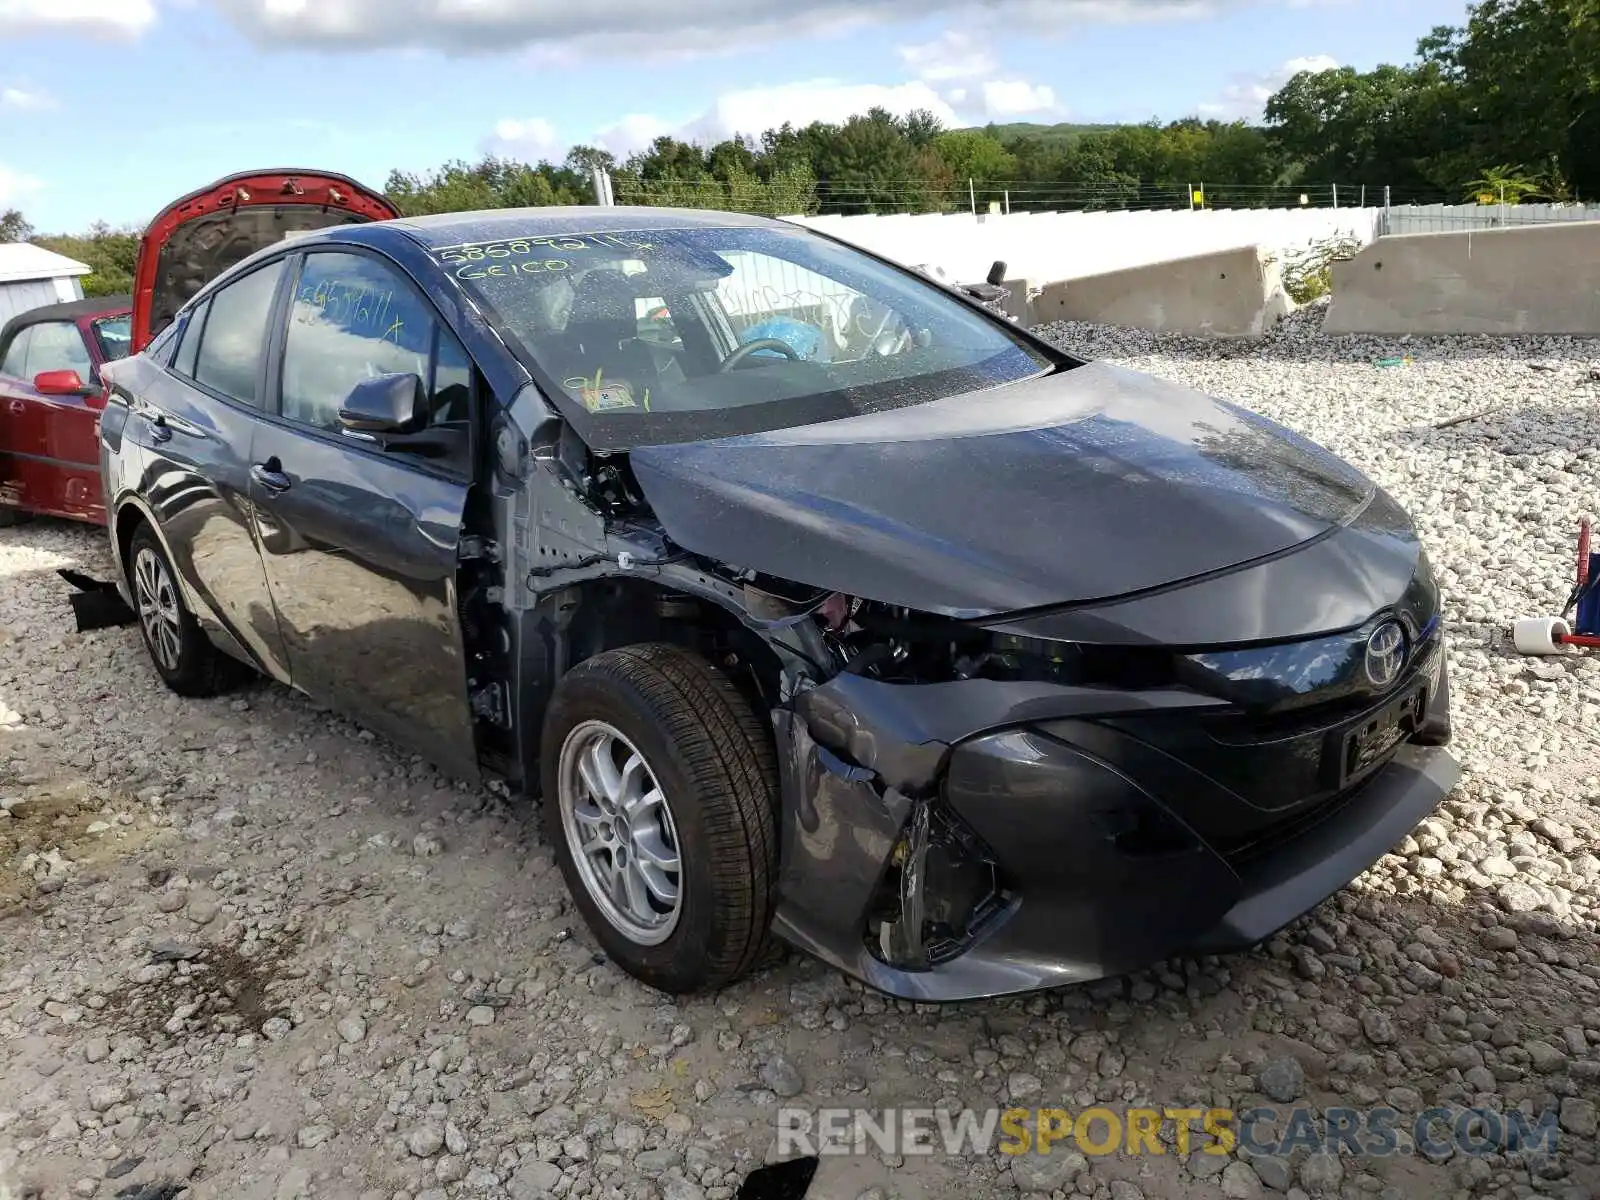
(49, 446)
(360, 543)
(194, 423)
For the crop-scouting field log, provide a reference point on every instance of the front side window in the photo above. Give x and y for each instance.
(682, 334)
(50, 346)
(353, 318)
(233, 343)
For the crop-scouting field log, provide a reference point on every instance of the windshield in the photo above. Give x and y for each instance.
(684, 334)
(115, 335)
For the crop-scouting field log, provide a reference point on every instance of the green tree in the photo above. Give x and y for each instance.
(14, 226)
(1504, 185)
(973, 154)
(1382, 126)
(922, 128)
(109, 253)
(491, 183)
(870, 164)
(792, 191)
(734, 156)
(1528, 76)
(584, 159)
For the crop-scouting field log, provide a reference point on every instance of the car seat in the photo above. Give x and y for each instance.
(599, 357)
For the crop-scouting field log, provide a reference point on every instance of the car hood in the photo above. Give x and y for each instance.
(1089, 483)
(201, 235)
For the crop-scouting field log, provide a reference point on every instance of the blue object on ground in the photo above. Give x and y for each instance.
(1587, 619)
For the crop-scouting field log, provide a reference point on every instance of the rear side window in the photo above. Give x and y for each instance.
(234, 341)
(184, 363)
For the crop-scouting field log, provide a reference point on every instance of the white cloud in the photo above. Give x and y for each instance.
(528, 139)
(627, 28)
(750, 112)
(952, 55)
(1015, 99)
(633, 132)
(963, 65)
(759, 109)
(1246, 95)
(14, 185)
(101, 18)
(25, 99)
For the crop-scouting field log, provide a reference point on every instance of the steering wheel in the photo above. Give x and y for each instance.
(750, 347)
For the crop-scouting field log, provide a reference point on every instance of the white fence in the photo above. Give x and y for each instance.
(1448, 218)
(1069, 245)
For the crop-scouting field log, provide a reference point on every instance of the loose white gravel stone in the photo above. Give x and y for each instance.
(425, 1140)
(328, 880)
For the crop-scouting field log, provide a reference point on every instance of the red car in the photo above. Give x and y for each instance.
(50, 392)
(50, 402)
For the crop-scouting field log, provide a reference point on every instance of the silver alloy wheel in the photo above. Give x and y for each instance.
(619, 827)
(157, 600)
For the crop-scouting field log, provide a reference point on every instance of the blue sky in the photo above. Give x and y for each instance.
(110, 108)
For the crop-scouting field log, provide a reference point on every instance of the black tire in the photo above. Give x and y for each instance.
(712, 757)
(12, 516)
(197, 668)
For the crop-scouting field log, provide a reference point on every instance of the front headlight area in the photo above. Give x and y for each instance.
(895, 644)
(962, 826)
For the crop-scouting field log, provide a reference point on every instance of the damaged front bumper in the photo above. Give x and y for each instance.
(978, 838)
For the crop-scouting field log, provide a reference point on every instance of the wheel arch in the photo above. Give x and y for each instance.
(573, 624)
(133, 512)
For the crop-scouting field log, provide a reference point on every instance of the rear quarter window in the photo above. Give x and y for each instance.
(189, 347)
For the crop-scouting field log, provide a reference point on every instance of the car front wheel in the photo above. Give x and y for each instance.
(182, 654)
(660, 794)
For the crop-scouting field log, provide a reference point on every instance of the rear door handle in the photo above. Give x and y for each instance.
(159, 432)
(270, 476)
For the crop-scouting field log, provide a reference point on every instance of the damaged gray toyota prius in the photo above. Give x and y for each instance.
(814, 599)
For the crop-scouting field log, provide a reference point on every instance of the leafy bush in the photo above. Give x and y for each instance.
(1308, 270)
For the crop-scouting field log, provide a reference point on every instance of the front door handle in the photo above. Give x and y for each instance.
(270, 476)
(159, 431)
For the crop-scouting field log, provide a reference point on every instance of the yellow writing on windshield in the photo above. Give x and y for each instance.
(534, 247)
(503, 270)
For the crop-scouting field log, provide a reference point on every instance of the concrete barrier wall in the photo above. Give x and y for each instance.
(1448, 218)
(1070, 245)
(1236, 292)
(1541, 279)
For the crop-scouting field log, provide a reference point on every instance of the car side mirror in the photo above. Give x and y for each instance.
(61, 383)
(386, 405)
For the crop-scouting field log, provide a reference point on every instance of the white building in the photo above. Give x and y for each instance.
(31, 276)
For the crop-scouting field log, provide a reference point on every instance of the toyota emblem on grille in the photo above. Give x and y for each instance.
(1386, 653)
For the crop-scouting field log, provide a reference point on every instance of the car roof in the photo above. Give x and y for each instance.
(71, 310)
(452, 229)
(444, 230)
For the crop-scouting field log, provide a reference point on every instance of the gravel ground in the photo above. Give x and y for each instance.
(248, 950)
